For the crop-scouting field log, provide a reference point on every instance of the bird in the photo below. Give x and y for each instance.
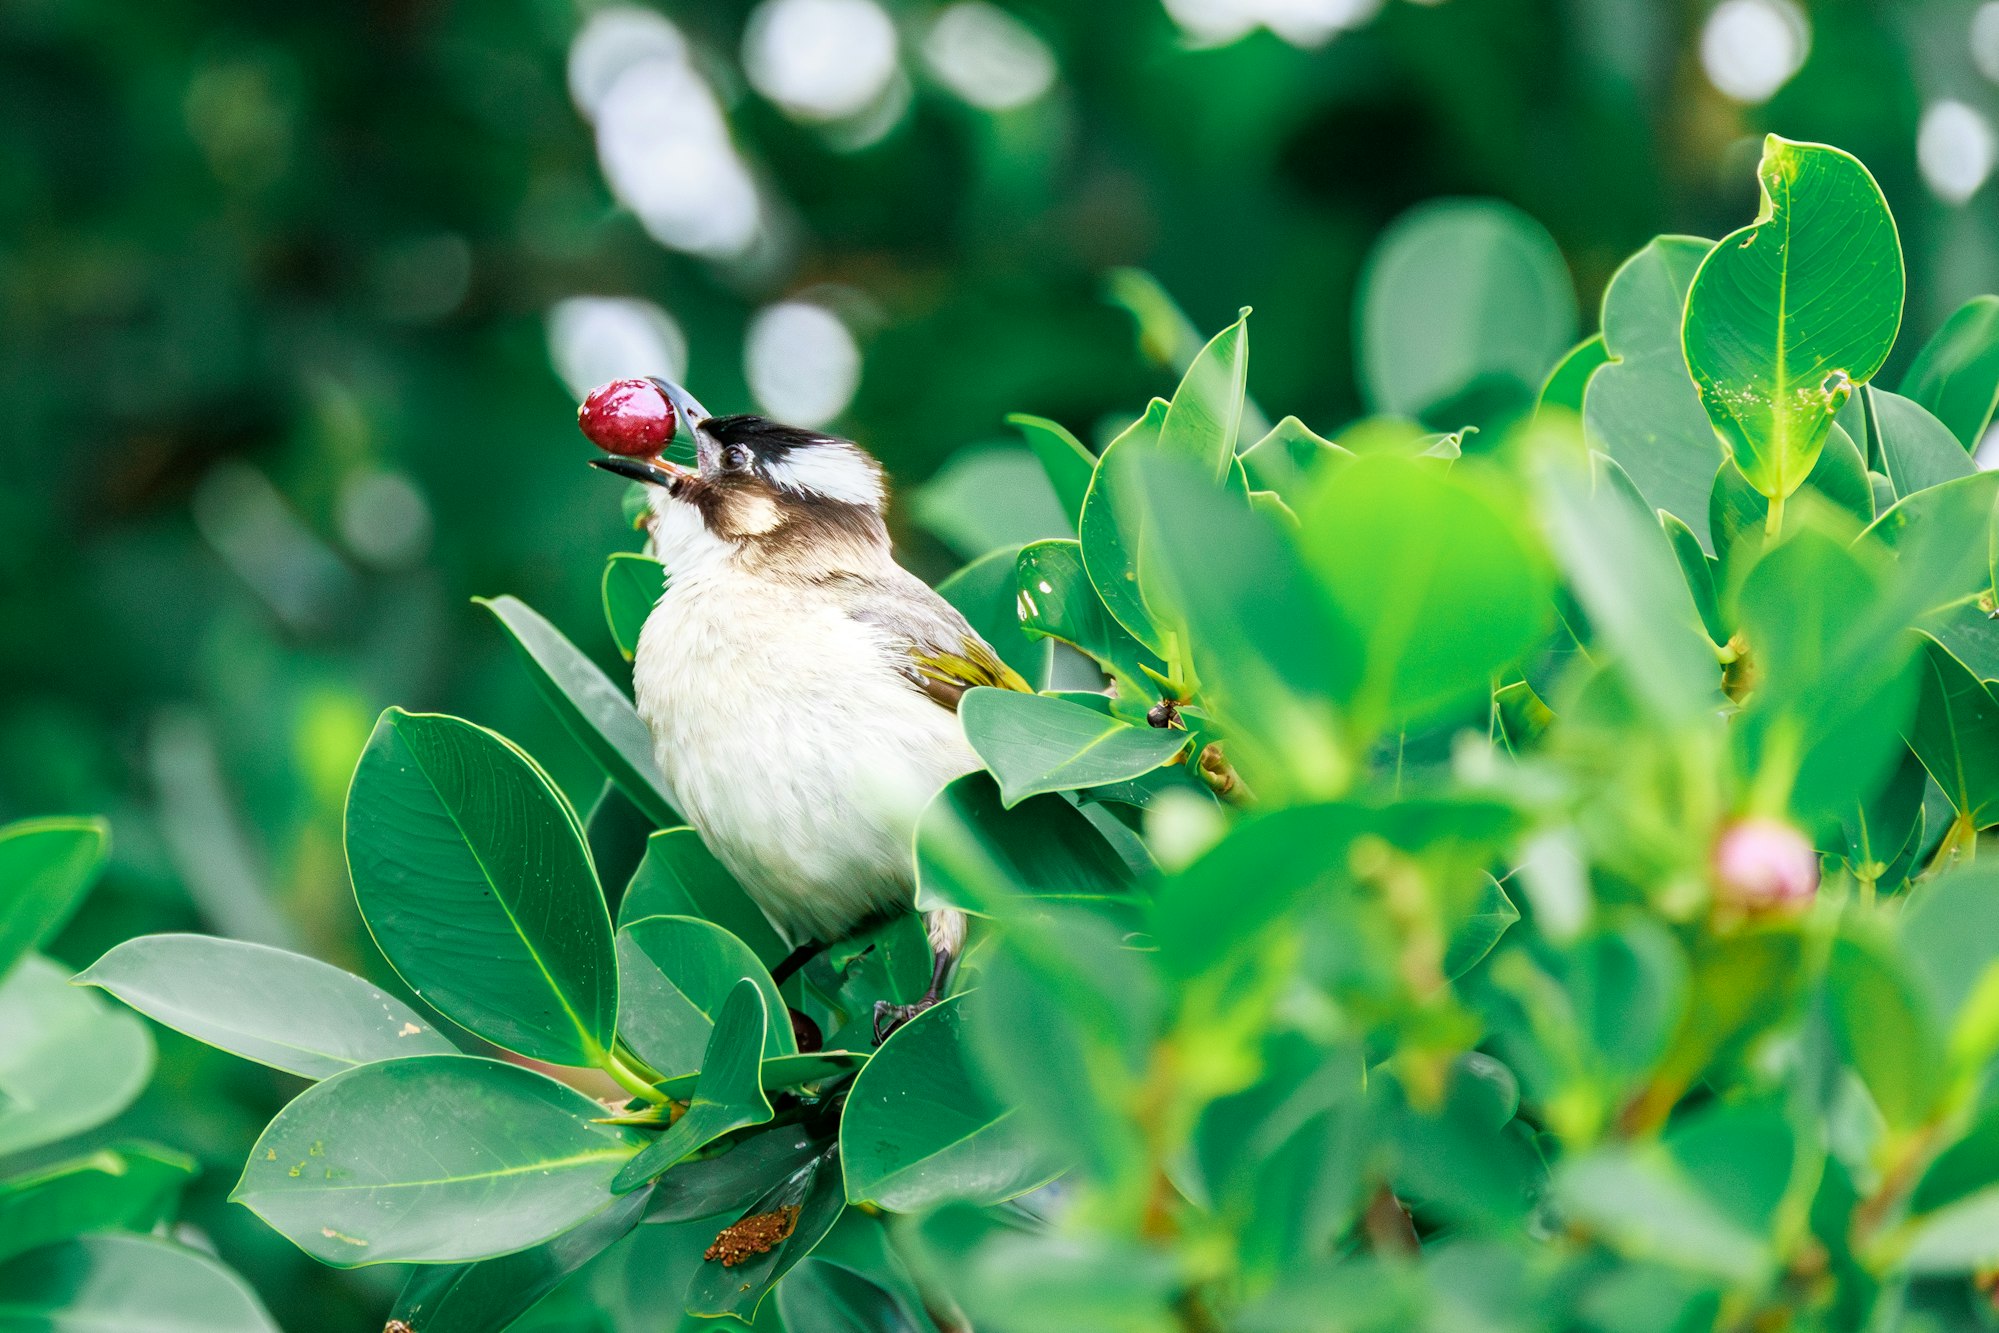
(801, 687)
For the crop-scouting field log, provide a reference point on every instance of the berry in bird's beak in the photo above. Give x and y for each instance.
(631, 418)
(1761, 863)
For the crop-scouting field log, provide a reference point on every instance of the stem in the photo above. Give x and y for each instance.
(628, 1079)
(1774, 522)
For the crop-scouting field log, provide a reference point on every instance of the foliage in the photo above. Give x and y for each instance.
(1498, 883)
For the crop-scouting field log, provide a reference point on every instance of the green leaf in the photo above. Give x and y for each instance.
(1788, 315)
(1110, 538)
(1642, 408)
(816, 1191)
(1204, 419)
(1055, 599)
(681, 877)
(433, 1159)
(46, 867)
(126, 1283)
(1459, 295)
(491, 1294)
(280, 1009)
(1062, 456)
(595, 711)
(1568, 382)
(728, 1096)
(1436, 576)
(1698, 569)
(818, 1297)
(1956, 735)
(921, 1129)
(1284, 460)
(987, 594)
(1737, 514)
(1885, 1030)
(1943, 538)
(675, 974)
(990, 496)
(472, 875)
(973, 851)
(633, 585)
(731, 1179)
(1622, 569)
(1950, 943)
(68, 1059)
(1034, 744)
(131, 1187)
(1956, 375)
(1917, 451)
(1274, 661)
(1475, 939)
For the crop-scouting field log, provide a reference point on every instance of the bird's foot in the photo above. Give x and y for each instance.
(889, 1017)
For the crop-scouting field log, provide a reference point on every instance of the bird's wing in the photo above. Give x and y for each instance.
(935, 648)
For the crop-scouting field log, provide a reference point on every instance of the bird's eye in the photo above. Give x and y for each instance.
(735, 458)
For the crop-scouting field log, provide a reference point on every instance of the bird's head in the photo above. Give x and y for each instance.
(758, 482)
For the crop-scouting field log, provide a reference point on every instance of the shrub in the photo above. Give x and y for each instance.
(1521, 878)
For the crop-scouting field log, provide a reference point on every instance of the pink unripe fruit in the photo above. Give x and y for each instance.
(629, 417)
(1764, 863)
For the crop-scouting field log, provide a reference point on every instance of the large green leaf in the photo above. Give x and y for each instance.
(1916, 450)
(595, 711)
(46, 866)
(1642, 408)
(1738, 515)
(675, 974)
(131, 1187)
(491, 1294)
(1457, 296)
(433, 1159)
(473, 878)
(816, 1192)
(1034, 744)
(1788, 315)
(69, 1059)
(1205, 417)
(1437, 577)
(633, 584)
(972, 849)
(131, 1284)
(1956, 735)
(818, 1297)
(921, 1129)
(1567, 384)
(281, 1009)
(1956, 375)
(729, 1095)
(989, 496)
(1055, 599)
(681, 877)
(735, 1176)
(1111, 537)
(1062, 456)
(988, 596)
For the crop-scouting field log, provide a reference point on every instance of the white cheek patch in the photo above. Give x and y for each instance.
(830, 470)
(754, 515)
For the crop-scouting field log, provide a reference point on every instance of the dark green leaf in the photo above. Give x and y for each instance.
(1568, 382)
(1062, 456)
(46, 866)
(675, 974)
(131, 1187)
(972, 850)
(472, 875)
(1956, 375)
(434, 1159)
(1956, 735)
(1917, 451)
(731, 1180)
(987, 497)
(815, 1190)
(681, 877)
(921, 1129)
(491, 1294)
(727, 1097)
(987, 594)
(1111, 539)
(1475, 939)
(1034, 744)
(595, 711)
(633, 584)
(277, 1008)
(1204, 419)
(1055, 598)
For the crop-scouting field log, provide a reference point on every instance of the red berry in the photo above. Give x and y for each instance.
(630, 417)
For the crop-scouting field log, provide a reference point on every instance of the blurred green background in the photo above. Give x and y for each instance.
(296, 302)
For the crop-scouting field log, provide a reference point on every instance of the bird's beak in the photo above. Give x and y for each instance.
(685, 405)
(661, 473)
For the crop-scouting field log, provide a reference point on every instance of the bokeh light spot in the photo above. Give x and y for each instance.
(1955, 149)
(987, 56)
(1751, 48)
(821, 60)
(802, 363)
(595, 339)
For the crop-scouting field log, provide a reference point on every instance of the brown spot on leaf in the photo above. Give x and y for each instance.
(759, 1233)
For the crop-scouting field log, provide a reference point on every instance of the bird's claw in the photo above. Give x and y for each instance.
(889, 1017)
